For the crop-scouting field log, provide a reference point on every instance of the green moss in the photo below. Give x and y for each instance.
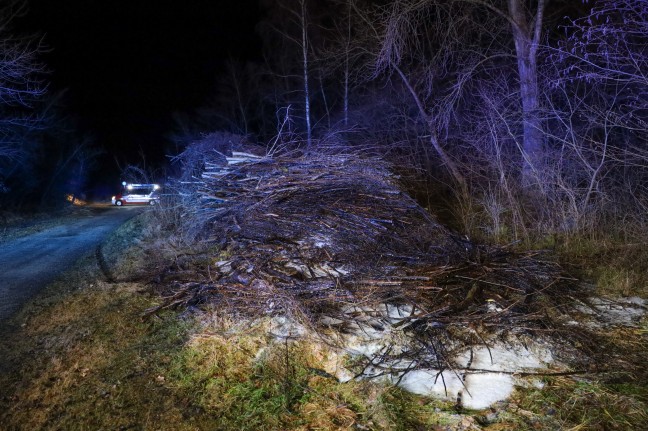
(244, 392)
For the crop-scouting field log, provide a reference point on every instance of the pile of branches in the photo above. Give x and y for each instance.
(332, 238)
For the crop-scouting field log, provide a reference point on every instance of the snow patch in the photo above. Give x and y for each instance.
(484, 390)
(480, 376)
(619, 311)
(445, 384)
(284, 327)
(479, 383)
(508, 358)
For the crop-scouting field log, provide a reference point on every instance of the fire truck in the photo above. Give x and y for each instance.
(137, 194)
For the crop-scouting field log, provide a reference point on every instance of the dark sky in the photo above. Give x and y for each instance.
(129, 64)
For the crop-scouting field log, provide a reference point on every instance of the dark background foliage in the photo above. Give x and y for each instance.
(520, 116)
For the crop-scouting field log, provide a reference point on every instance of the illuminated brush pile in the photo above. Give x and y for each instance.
(317, 237)
(331, 245)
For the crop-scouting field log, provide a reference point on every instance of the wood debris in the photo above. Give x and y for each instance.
(313, 237)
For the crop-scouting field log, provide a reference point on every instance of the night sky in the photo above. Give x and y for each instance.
(129, 64)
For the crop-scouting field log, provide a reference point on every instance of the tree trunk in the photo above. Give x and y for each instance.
(305, 66)
(346, 68)
(434, 141)
(526, 46)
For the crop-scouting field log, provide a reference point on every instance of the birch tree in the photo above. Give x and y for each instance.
(288, 49)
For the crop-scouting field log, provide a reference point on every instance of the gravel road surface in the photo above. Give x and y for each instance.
(30, 263)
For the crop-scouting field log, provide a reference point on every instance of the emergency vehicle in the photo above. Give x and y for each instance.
(137, 194)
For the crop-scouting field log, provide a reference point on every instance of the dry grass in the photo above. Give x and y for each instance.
(585, 405)
(81, 357)
(90, 362)
(617, 267)
(84, 363)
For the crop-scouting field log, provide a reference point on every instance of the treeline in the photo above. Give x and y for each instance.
(43, 157)
(525, 118)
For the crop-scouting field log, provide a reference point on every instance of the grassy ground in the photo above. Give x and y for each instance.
(82, 357)
(618, 268)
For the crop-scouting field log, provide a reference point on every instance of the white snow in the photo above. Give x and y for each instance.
(509, 358)
(446, 384)
(617, 311)
(481, 376)
(284, 327)
(485, 382)
(483, 390)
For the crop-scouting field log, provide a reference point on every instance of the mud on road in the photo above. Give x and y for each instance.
(31, 262)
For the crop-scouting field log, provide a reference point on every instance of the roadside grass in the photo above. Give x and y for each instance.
(568, 404)
(89, 363)
(13, 225)
(81, 356)
(616, 267)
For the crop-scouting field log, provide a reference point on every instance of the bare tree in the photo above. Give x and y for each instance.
(287, 38)
(303, 21)
(610, 44)
(20, 80)
(401, 40)
(598, 104)
(608, 50)
(458, 41)
(526, 21)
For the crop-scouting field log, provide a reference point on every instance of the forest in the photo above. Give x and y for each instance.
(518, 120)
(514, 120)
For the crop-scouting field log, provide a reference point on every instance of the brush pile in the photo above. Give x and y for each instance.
(330, 247)
(333, 240)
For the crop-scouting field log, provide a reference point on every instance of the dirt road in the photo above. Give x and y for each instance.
(29, 263)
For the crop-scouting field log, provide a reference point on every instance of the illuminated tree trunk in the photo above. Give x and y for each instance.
(346, 68)
(304, 46)
(526, 35)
